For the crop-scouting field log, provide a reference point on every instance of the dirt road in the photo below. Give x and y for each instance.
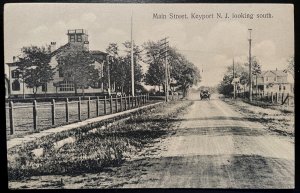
(215, 147)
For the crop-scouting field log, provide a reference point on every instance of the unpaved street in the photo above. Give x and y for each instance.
(215, 147)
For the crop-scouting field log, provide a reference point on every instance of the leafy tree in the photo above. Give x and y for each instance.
(76, 66)
(182, 72)
(34, 67)
(155, 75)
(241, 72)
(291, 66)
(120, 67)
(256, 69)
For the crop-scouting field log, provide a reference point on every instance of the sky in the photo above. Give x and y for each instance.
(211, 44)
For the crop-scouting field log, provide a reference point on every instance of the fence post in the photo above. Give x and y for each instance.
(272, 100)
(277, 96)
(79, 108)
(111, 108)
(104, 105)
(34, 116)
(121, 103)
(116, 103)
(67, 110)
(125, 103)
(89, 107)
(53, 111)
(133, 103)
(97, 106)
(282, 98)
(129, 101)
(11, 118)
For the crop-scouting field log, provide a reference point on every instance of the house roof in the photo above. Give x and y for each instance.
(275, 72)
(61, 48)
(97, 52)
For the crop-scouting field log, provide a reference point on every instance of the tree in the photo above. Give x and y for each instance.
(241, 72)
(155, 75)
(183, 72)
(76, 66)
(120, 66)
(256, 69)
(34, 67)
(291, 66)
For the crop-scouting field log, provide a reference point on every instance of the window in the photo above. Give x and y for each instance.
(60, 73)
(15, 74)
(72, 38)
(66, 86)
(79, 38)
(275, 78)
(283, 87)
(279, 87)
(44, 87)
(266, 78)
(16, 85)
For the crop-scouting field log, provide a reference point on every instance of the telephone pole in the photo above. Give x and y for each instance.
(108, 60)
(250, 70)
(132, 64)
(164, 43)
(234, 84)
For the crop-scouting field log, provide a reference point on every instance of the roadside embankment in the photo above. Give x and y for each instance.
(276, 119)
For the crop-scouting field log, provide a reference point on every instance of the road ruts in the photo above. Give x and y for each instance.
(216, 147)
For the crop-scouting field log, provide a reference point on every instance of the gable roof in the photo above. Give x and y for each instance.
(275, 72)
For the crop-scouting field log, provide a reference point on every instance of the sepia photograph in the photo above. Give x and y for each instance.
(149, 95)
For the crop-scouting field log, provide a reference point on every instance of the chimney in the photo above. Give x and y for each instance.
(14, 58)
(52, 46)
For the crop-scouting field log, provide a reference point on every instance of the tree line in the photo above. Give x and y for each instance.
(77, 66)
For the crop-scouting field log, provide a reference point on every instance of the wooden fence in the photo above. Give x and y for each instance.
(270, 97)
(44, 115)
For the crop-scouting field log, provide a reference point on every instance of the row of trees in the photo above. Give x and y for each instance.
(76, 66)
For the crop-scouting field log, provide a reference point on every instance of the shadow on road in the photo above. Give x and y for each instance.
(200, 119)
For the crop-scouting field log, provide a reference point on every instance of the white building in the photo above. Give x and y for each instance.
(276, 81)
(59, 86)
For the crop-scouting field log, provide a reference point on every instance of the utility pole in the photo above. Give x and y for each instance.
(250, 70)
(108, 73)
(165, 46)
(234, 83)
(132, 64)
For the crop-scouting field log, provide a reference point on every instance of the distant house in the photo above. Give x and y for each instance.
(59, 86)
(274, 81)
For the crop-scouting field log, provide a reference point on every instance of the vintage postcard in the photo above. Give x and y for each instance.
(101, 95)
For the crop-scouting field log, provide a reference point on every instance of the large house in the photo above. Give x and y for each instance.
(59, 86)
(276, 81)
